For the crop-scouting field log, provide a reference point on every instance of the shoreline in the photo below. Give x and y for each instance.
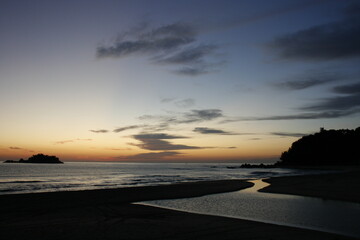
(109, 214)
(339, 186)
(132, 194)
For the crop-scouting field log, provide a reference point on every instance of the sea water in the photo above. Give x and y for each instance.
(29, 178)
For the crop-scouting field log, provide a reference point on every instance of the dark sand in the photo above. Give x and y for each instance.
(109, 214)
(343, 186)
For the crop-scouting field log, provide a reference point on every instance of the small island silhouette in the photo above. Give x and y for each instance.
(38, 158)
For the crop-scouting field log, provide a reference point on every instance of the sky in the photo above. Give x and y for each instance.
(175, 81)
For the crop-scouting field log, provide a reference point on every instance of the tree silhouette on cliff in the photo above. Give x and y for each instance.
(327, 147)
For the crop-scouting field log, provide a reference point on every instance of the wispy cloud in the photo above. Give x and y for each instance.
(181, 103)
(64, 141)
(118, 149)
(300, 116)
(15, 148)
(185, 103)
(205, 130)
(192, 116)
(73, 140)
(167, 100)
(288, 134)
(121, 129)
(158, 40)
(193, 55)
(20, 149)
(173, 44)
(99, 131)
(336, 40)
(309, 80)
(84, 139)
(254, 139)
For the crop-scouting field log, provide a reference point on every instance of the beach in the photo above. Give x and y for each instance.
(109, 214)
(342, 186)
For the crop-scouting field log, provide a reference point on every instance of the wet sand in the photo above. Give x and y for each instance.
(343, 186)
(109, 214)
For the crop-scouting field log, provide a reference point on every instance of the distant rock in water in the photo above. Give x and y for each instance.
(38, 158)
(325, 148)
(247, 165)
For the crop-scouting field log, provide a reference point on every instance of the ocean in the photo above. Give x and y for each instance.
(288, 210)
(30, 178)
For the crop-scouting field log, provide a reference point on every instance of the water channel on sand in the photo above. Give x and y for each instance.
(288, 210)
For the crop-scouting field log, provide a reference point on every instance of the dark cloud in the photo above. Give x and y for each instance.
(346, 104)
(353, 9)
(153, 156)
(348, 89)
(191, 71)
(173, 44)
(308, 80)
(117, 130)
(288, 134)
(202, 115)
(289, 6)
(99, 131)
(155, 142)
(339, 103)
(204, 130)
(337, 40)
(157, 136)
(316, 115)
(351, 100)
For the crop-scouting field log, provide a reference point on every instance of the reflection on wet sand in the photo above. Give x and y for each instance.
(289, 210)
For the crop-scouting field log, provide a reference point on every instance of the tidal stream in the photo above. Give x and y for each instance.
(282, 209)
